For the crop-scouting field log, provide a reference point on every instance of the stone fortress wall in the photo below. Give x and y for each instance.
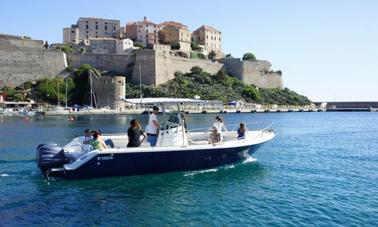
(24, 59)
(253, 72)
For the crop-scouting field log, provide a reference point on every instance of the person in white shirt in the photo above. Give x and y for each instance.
(218, 123)
(152, 129)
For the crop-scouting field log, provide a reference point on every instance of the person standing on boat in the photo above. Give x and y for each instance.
(218, 123)
(134, 133)
(152, 129)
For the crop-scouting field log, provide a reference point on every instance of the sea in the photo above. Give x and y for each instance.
(321, 169)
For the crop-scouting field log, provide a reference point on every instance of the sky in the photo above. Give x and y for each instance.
(327, 50)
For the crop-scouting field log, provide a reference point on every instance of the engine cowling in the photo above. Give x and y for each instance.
(50, 156)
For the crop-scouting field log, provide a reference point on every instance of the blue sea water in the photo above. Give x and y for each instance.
(320, 170)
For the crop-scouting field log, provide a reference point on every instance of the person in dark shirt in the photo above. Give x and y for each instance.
(241, 131)
(134, 133)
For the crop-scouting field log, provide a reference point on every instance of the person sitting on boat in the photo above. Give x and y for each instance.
(87, 136)
(215, 136)
(108, 142)
(134, 133)
(152, 129)
(97, 143)
(241, 131)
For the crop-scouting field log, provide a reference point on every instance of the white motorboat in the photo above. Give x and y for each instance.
(176, 150)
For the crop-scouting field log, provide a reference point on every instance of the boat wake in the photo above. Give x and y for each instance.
(192, 173)
(249, 160)
(4, 175)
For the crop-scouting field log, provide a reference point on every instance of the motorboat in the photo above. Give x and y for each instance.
(177, 149)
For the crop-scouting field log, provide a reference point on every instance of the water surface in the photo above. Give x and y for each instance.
(321, 169)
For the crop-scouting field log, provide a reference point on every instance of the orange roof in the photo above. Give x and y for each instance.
(207, 27)
(173, 24)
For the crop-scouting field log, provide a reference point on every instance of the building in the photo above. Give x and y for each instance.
(110, 45)
(88, 27)
(172, 32)
(210, 39)
(124, 46)
(144, 32)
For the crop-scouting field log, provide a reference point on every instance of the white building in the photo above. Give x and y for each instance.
(124, 45)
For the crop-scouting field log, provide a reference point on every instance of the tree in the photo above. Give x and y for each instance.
(250, 93)
(229, 56)
(249, 57)
(212, 55)
(196, 70)
(175, 46)
(139, 45)
(201, 56)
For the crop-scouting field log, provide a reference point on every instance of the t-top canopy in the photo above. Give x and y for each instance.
(151, 101)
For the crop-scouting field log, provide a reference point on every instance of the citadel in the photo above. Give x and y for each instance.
(157, 49)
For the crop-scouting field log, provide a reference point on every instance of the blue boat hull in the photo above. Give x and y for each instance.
(125, 164)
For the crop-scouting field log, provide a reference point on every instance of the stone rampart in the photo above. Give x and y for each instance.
(158, 66)
(108, 62)
(253, 72)
(23, 60)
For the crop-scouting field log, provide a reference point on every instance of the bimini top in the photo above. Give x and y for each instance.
(151, 101)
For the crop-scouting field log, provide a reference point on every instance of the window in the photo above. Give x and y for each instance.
(207, 37)
(114, 28)
(96, 26)
(72, 31)
(87, 22)
(219, 39)
(96, 36)
(96, 22)
(86, 36)
(106, 22)
(106, 27)
(86, 26)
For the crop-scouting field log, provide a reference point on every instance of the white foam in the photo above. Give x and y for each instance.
(249, 160)
(229, 166)
(192, 173)
(4, 175)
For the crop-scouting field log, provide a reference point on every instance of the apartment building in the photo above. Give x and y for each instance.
(210, 38)
(90, 27)
(171, 32)
(144, 32)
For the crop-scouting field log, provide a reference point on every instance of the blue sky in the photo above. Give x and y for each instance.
(327, 50)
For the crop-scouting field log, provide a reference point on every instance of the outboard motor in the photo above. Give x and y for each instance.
(50, 156)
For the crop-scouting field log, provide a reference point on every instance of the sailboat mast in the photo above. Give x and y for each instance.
(66, 93)
(90, 87)
(140, 81)
(57, 88)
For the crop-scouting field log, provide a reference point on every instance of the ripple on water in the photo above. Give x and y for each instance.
(321, 170)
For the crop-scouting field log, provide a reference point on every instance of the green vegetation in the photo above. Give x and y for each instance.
(139, 45)
(53, 89)
(66, 49)
(219, 86)
(195, 47)
(229, 56)
(249, 57)
(212, 55)
(175, 46)
(197, 55)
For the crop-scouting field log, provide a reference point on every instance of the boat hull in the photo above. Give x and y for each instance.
(138, 163)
